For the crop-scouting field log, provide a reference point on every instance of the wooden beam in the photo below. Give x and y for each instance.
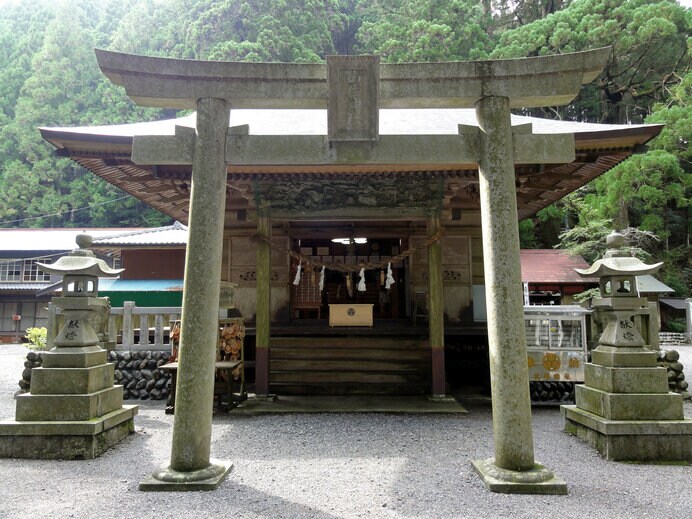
(436, 329)
(263, 315)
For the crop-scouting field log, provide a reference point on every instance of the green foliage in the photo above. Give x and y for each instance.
(49, 77)
(587, 295)
(587, 240)
(649, 40)
(646, 188)
(425, 30)
(650, 191)
(675, 326)
(269, 30)
(55, 81)
(36, 338)
(527, 235)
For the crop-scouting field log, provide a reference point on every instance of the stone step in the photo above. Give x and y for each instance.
(48, 381)
(68, 407)
(629, 406)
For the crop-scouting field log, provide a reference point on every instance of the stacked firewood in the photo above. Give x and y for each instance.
(231, 337)
(670, 359)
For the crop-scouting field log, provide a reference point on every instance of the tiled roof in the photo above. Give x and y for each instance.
(678, 303)
(29, 287)
(48, 239)
(557, 266)
(172, 235)
(551, 266)
(650, 285)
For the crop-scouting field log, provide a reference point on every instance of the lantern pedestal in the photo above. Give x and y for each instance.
(624, 408)
(631, 440)
(73, 409)
(625, 411)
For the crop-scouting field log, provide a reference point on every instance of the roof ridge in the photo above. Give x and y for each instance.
(176, 226)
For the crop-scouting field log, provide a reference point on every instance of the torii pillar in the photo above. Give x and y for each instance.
(513, 469)
(191, 467)
(492, 87)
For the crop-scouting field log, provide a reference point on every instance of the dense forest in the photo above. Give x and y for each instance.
(49, 77)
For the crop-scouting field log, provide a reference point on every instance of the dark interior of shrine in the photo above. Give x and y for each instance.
(342, 287)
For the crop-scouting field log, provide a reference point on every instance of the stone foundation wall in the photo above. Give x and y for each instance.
(552, 392)
(33, 360)
(670, 338)
(670, 359)
(136, 371)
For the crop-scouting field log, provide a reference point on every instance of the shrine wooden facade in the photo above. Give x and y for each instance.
(412, 191)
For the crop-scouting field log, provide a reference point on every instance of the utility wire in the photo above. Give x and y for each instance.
(71, 211)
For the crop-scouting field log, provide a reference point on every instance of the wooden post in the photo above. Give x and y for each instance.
(436, 309)
(262, 316)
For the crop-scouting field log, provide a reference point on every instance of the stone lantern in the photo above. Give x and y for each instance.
(624, 408)
(79, 302)
(73, 409)
(620, 299)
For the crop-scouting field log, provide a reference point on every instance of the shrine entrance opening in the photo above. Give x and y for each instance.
(343, 251)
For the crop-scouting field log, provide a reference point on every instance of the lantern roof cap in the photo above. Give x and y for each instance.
(617, 262)
(81, 261)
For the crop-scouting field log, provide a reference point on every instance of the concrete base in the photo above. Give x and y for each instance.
(68, 440)
(167, 479)
(631, 440)
(77, 357)
(538, 480)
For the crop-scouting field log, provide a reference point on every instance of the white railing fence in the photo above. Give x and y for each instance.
(132, 328)
(127, 324)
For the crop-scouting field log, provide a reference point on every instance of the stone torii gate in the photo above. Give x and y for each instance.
(354, 89)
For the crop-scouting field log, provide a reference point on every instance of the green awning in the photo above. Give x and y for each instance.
(144, 292)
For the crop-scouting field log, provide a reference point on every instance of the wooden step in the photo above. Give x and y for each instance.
(350, 389)
(357, 342)
(349, 365)
(322, 377)
(336, 365)
(348, 354)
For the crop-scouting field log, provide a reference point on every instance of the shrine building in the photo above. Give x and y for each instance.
(357, 183)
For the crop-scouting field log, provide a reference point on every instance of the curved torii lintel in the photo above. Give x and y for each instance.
(178, 83)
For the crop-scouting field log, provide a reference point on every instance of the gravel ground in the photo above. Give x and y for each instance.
(337, 466)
